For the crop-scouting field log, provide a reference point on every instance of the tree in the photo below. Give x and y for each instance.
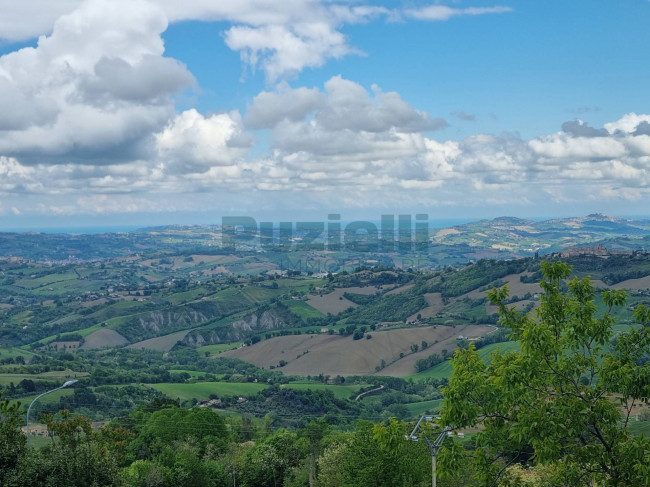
(314, 431)
(267, 463)
(77, 456)
(563, 400)
(12, 440)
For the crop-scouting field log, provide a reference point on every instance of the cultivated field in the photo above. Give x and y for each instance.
(212, 350)
(400, 289)
(515, 287)
(335, 302)
(103, 338)
(406, 365)
(633, 284)
(338, 355)
(163, 343)
(435, 305)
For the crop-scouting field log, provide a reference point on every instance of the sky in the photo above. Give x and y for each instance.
(136, 112)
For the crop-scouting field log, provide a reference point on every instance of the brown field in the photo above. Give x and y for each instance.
(334, 302)
(598, 284)
(400, 289)
(95, 302)
(103, 338)
(518, 288)
(435, 305)
(515, 288)
(519, 306)
(406, 365)
(337, 355)
(162, 344)
(634, 284)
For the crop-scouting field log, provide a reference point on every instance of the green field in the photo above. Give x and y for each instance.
(303, 310)
(52, 398)
(217, 349)
(195, 374)
(419, 408)
(339, 391)
(444, 369)
(55, 375)
(84, 332)
(639, 427)
(203, 390)
(14, 352)
(257, 294)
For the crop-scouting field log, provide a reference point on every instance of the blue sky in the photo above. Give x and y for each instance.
(134, 112)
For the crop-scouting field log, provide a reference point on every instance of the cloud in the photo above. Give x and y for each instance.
(466, 117)
(627, 124)
(270, 108)
(578, 128)
(28, 19)
(281, 38)
(284, 50)
(346, 136)
(87, 123)
(443, 12)
(344, 114)
(192, 139)
(95, 89)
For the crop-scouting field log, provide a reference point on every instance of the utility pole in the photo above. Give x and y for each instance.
(433, 445)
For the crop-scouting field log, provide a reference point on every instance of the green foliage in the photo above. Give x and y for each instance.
(76, 457)
(479, 274)
(12, 440)
(565, 398)
(393, 307)
(375, 455)
(426, 363)
(167, 425)
(360, 299)
(268, 462)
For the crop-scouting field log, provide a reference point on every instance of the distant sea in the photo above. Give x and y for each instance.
(95, 230)
(74, 230)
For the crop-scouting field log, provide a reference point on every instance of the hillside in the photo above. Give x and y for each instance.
(339, 355)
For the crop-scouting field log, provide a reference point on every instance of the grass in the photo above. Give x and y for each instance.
(443, 370)
(258, 294)
(203, 390)
(639, 428)
(52, 398)
(55, 375)
(84, 332)
(47, 280)
(339, 391)
(13, 352)
(303, 310)
(217, 349)
(195, 374)
(419, 408)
